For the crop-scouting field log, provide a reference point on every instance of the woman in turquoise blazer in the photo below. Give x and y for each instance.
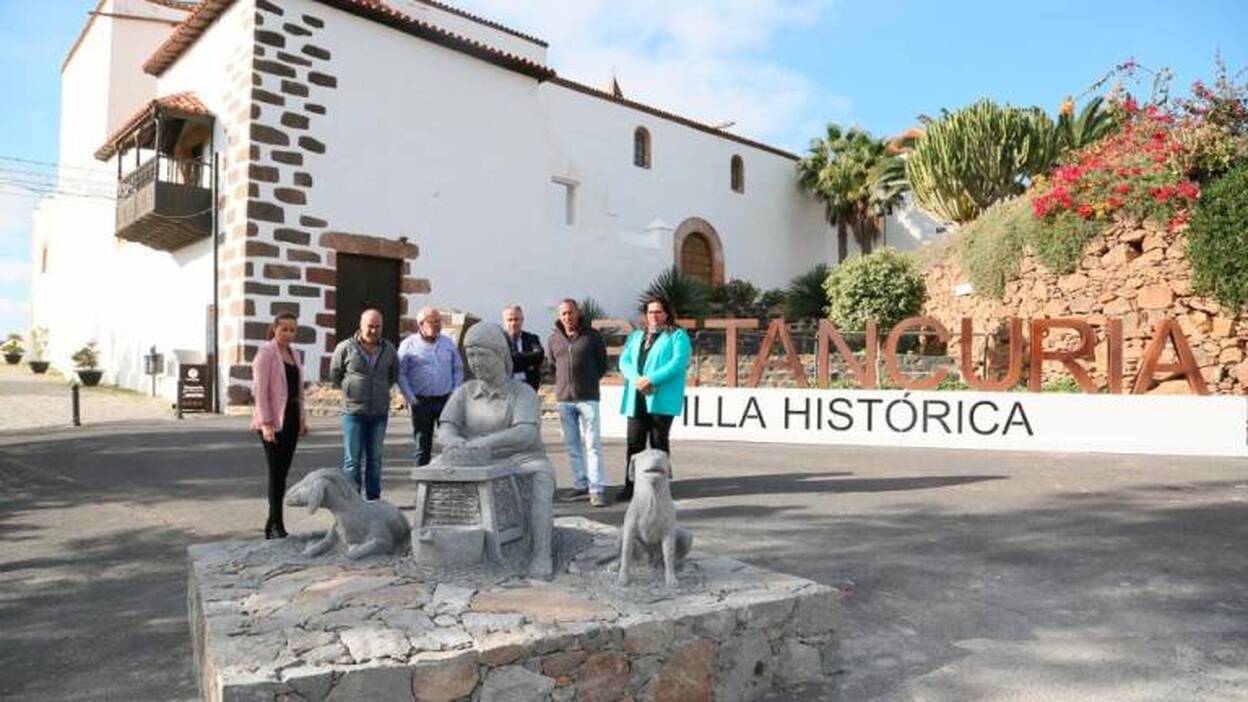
(654, 363)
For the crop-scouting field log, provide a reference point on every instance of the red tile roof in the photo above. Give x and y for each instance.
(186, 33)
(178, 104)
(619, 100)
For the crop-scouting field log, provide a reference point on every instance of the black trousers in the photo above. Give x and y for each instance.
(425, 413)
(279, 455)
(643, 428)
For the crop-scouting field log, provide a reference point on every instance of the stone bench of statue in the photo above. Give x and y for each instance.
(492, 484)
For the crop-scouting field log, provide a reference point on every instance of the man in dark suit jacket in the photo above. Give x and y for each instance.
(526, 348)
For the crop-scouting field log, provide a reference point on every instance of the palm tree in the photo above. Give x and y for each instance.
(856, 177)
(1091, 124)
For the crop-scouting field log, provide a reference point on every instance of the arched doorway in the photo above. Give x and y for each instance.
(695, 257)
(698, 251)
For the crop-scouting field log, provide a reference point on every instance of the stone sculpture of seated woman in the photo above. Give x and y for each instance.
(493, 418)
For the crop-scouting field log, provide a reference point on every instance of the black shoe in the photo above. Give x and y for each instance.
(270, 531)
(575, 494)
(281, 530)
(626, 494)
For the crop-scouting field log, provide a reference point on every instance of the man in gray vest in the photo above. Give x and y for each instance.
(365, 367)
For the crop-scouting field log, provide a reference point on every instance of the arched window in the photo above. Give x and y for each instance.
(738, 174)
(641, 148)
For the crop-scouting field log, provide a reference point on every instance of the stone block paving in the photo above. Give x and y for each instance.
(43, 401)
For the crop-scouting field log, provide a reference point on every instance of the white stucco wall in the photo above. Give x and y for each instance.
(911, 228)
(126, 296)
(770, 232)
(459, 156)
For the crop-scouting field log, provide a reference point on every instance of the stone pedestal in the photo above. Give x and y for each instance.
(467, 513)
(268, 624)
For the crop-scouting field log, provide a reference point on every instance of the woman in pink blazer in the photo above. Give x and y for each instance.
(279, 415)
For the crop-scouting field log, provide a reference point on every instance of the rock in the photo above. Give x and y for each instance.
(1230, 356)
(1241, 374)
(444, 681)
(1072, 282)
(1182, 287)
(451, 599)
(798, 663)
(1119, 256)
(717, 624)
(649, 637)
(478, 623)
(1153, 242)
(688, 676)
(1155, 297)
(442, 639)
(817, 614)
(603, 677)
(1223, 327)
(767, 613)
(1081, 304)
(563, 663)
(514, 683)
(373, 683)
(540, 603)
(747, 662)
(1132, 235)
(366, 644)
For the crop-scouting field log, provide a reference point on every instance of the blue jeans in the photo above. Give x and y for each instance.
(363, 434)
(581, 425)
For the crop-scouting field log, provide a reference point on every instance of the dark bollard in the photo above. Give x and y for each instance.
(73, 392)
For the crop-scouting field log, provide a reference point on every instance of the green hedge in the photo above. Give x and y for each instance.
(883, 286)
(1218, 240)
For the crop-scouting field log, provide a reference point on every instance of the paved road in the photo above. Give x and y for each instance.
(43, 401)
(970, 576)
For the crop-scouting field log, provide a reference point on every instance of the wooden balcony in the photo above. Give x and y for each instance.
(165, 203)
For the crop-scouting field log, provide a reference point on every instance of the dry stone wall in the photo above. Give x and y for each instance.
(1137, 272)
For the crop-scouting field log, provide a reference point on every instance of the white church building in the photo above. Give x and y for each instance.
(396, 155)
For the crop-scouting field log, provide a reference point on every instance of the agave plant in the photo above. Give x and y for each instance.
(971, 158)
(688, 295)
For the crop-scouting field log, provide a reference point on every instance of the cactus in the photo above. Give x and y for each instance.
(975, 156)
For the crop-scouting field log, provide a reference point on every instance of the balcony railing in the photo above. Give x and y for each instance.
(165, 203)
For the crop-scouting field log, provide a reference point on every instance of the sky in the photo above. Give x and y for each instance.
(779, 69)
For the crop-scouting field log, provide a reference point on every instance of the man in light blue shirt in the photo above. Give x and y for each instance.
(430, 368)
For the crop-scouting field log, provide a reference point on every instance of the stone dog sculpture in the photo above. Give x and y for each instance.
(650, 532)
(365, 528)
(497, 418)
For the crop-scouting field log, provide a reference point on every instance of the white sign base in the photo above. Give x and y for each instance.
(1178, 425)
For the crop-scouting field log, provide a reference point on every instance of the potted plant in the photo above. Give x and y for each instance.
(87, 361)
(38, 346)
(12, 349)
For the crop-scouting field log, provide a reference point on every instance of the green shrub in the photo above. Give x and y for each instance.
(736, 298)
(883, 286)
(1218, 239)
(1060, 241)
(806, 298)
(590, 310)
(774, 301)
(689, 296)
(1063, 384)
(992, 246)
(87, 357)
(12, 345)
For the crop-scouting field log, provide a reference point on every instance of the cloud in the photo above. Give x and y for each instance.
(706, 59)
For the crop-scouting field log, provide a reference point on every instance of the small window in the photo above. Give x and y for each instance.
(738, 174)
(641, 148)
(564, 204)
